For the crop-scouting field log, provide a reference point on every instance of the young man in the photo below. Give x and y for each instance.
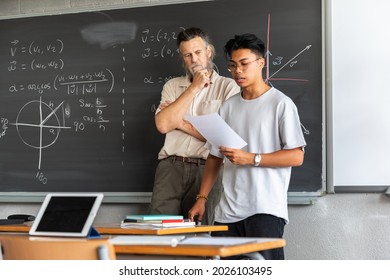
(182, 158)
(256, 178)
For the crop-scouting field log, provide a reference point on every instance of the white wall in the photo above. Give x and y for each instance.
(339, 226)
(361, 97)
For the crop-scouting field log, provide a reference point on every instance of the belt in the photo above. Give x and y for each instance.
(188, 160)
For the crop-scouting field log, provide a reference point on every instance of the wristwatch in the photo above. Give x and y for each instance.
(257, 159)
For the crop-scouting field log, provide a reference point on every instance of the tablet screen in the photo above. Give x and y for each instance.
(66, 214)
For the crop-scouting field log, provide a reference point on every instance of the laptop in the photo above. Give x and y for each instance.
(67, 214)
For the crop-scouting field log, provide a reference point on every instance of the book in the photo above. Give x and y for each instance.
(154, 221)
(156, 217)
(156, 225)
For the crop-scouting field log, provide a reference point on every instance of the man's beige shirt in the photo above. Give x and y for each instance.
(207, 101)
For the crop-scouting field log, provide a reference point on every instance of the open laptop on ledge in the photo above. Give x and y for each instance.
(67, 215)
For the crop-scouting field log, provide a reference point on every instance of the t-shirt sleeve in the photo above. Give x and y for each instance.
(231, 89)
(290, 128)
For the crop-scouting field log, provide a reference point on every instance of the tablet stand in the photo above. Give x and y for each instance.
(93, 233)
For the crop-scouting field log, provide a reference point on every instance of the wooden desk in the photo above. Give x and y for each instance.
(115, 229)
(216, 251)
(180, 250)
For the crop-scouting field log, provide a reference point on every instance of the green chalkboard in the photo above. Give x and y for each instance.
(78, 91)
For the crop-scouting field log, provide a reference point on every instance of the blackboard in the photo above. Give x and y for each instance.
(78, 91)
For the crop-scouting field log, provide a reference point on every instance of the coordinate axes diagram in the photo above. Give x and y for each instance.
(278, 61)
(39, 125)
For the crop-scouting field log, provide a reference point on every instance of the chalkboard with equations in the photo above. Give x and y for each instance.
(78, 91)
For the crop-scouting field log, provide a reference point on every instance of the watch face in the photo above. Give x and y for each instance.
(257, 159)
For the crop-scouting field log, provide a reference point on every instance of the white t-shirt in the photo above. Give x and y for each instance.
(268, 124)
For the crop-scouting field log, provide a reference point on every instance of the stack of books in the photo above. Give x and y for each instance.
(156, 221)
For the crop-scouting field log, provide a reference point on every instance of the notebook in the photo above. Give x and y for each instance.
(67, 214)
(154, 217)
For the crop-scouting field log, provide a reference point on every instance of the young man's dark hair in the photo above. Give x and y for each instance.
(245, 41)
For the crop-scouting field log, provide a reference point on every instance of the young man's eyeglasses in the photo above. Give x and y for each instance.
(242, 65)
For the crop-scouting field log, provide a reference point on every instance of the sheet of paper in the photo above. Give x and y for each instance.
(216, 131)
(218, 241)
(171, 240)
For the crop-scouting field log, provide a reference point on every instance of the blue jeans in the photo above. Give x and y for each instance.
(259, 225)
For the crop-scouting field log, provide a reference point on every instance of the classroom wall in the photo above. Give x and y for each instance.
(339, 226)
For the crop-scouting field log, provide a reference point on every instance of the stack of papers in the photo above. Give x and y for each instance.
(142, 218)
(153, 218)
(157, 225)
(156, 221)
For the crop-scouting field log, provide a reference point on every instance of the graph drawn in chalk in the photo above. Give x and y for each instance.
(278, 62)
(39, 125)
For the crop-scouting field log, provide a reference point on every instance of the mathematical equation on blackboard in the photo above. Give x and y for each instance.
(60, 90)
(160, 43)
(49, 117)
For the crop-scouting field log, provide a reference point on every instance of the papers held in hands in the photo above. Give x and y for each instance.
(216, 131)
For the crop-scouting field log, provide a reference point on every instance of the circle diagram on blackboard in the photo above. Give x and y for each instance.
(39, 125)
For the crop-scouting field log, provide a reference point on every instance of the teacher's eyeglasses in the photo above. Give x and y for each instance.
(242, 65)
